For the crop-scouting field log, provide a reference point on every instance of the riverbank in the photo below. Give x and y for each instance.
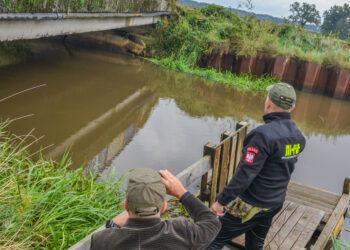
(42, 204)
(213, 37)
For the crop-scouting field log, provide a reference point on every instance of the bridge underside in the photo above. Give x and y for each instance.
(33, 26)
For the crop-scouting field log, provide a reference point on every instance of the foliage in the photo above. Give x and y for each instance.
(77, 5)
(337, 20)
(43, 205)
(193, 34)
(339, 245)
(303, 14)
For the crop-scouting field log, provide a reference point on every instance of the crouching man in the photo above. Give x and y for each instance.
(140, 227)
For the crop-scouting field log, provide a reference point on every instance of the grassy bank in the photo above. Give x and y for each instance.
(192, 34)
(78, 6)
(45, 206)
(242, 81)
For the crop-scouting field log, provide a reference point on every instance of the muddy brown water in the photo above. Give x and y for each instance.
(118, 113)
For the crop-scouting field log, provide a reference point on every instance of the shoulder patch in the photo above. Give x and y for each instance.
(249, 157)
(252, 149)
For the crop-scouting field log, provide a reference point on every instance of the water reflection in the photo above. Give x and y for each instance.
(119, 113)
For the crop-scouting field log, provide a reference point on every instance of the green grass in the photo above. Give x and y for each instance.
(45, 206)
(339, 244)
(242, 81)
(77, 6)
(195, 33)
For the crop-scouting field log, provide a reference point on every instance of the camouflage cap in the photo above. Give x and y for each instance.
(145, 190)
(282, 95)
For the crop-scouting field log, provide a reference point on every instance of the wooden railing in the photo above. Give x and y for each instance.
(217, 165)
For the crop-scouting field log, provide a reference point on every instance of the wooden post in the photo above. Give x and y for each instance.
(204, 192)
(225, 160)
(233, 153)
(240, 138)
(346, 186)
(214, 152)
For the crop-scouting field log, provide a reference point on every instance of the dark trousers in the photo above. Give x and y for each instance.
(255, 229)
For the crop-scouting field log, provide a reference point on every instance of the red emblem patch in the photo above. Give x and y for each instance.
(249, 157)
(254, 150)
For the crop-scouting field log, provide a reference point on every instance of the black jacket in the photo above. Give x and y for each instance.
(154, 234)
(269, 154)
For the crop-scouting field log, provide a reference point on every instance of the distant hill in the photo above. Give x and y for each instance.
(270, 18)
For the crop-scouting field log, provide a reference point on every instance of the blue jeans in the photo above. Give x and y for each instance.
(255, 230)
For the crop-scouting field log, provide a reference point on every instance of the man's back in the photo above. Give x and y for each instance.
(284, 142)
(153, 233)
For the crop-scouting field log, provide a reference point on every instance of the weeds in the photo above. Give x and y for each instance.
(339, 244)
(243, 81)
(43, 205)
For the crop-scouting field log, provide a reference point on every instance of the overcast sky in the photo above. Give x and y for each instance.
(278, 8)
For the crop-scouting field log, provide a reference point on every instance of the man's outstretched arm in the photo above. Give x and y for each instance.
(206, 225)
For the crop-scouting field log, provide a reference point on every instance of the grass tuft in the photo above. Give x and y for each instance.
(43, 205)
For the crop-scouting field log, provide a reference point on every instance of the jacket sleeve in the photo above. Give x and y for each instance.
(254, 155)
(206, 225)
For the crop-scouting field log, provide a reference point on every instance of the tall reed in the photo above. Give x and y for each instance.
(42, 204)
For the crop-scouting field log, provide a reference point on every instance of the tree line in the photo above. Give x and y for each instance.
(336, 20)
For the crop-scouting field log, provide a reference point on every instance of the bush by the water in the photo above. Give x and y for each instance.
(191, 34)
(45, 206)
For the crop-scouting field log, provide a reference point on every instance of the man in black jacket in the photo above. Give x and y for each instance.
(141, 228)
(257, 190)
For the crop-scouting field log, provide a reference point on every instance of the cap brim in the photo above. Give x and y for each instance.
(268, 88)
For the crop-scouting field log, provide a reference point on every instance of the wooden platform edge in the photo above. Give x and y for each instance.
(332, 222)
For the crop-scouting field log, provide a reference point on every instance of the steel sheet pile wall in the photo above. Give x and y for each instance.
(304, 75)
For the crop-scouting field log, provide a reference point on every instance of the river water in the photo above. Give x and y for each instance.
(118, 113)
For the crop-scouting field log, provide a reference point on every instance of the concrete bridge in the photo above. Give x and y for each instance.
(26, 25)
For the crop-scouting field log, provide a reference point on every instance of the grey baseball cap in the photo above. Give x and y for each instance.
(145, 190)
(282, 95)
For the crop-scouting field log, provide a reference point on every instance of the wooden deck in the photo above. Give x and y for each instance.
(292, 227)
(305, 211)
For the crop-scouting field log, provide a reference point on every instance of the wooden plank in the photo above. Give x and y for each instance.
(203, 196)
(232, 157)
(304, 200)
(287, 227)
(327, 211)
(308, 230)
(346, 186)
(195, 171)
(239, 127)
(332, 222)
(239, 145)
(224, 160)
(240, 240)
(215, 175)
(285, 204)
(313, 193)
(280, 221)
(305, 219)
